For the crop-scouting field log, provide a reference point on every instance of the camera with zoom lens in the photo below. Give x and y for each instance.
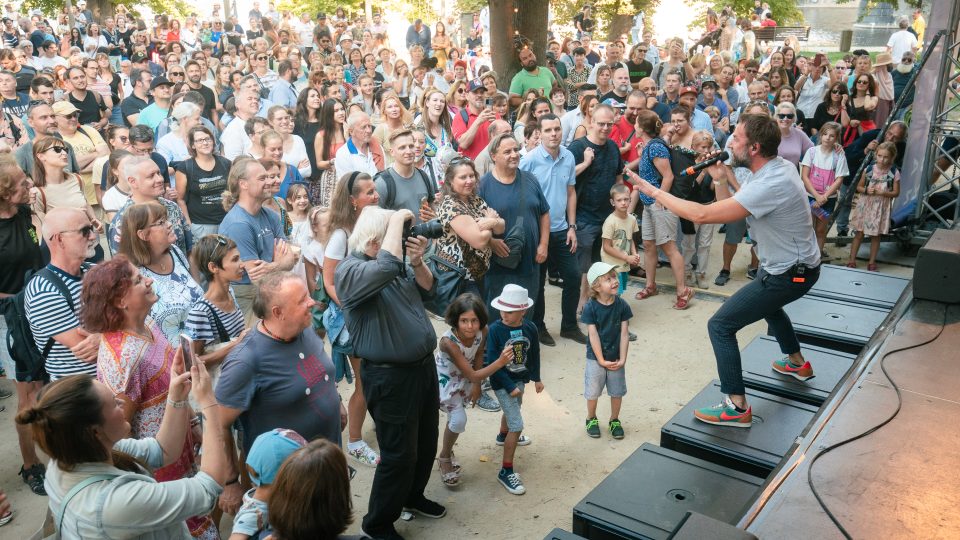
(430, 229)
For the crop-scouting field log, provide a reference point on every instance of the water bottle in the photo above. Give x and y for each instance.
(818, 211)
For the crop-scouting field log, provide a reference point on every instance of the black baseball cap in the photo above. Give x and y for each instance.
(160, 81)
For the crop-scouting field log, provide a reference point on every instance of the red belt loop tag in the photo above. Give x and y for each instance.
(799, 280)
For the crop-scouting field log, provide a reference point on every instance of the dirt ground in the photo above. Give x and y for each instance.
(669, 363)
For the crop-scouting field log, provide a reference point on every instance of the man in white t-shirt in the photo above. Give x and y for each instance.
(901, 41)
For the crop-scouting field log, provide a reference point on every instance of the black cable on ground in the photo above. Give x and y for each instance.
(836, 445)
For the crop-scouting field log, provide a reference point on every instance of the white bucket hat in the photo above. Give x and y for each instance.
(513, 298)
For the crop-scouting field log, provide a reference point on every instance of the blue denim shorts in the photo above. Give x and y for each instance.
(596, 377)
(511, 408)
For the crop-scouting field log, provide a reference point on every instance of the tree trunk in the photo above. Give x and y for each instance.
(619, 25)
(531, 23)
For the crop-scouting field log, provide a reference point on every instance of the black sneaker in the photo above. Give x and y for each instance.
(574, 334)
(34, 477)
(631, 336)
(722, 278)
(427, 508)
(391, 534)
(546, 338)
(751, 273)
(555, 281)
(616, 429)
(593, 427)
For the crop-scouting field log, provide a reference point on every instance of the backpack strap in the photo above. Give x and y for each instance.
(73, 492)
(465, 116)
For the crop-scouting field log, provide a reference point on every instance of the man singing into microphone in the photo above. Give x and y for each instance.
(774, 203)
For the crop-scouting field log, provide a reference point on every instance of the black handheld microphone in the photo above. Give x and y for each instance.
(690, 171)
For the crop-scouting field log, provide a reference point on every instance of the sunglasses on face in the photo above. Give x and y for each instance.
(176, 74)
(59, 149)
(786, 116)
(260, 58)
(84, 231)
(863, 82)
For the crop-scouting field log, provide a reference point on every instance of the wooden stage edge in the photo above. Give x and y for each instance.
(902, 481)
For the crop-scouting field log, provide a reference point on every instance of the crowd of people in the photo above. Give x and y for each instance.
(190, 211)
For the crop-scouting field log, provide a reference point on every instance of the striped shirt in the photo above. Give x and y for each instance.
(200, 324)
(49, 314)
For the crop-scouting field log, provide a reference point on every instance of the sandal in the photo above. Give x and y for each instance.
(646, 292)
(851, 264)
(5, 506)
(451, 478)
(454, 462)
(683, 299)
(34, 477)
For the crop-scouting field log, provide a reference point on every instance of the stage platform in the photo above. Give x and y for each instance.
(902, 481)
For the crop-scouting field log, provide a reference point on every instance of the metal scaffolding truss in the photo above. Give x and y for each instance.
(937, 203)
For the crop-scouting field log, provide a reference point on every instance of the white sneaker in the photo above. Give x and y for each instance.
(364, 455)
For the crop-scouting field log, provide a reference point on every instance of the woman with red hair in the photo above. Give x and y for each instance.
(135, 360)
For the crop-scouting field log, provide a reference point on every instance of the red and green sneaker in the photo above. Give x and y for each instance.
(725, 414)
(802, 373)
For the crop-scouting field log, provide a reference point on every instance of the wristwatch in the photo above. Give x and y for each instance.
(573, 226)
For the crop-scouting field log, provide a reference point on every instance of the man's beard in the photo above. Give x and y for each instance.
(530, 67)
(623, 88)
(904, 69)
(739, 161)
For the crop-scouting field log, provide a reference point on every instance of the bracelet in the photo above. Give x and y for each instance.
(178, 404)
(208, 406)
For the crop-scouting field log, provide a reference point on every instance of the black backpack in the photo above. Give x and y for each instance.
(19, 339)
(391, 183)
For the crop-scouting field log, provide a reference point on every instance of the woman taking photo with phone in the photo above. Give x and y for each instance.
(136, 363)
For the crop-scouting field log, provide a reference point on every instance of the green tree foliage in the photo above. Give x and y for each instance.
(317, 6)
(784, 11)
(174, 8)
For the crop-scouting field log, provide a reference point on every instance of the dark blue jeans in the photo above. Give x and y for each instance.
(559, 256)
(762, 298)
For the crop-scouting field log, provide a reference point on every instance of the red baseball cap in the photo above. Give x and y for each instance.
(689, 89)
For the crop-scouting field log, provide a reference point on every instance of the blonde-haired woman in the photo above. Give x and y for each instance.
(394, 116)
(437, 125)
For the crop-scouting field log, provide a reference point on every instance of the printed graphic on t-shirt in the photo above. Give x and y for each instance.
(313, 373)
(520, 344)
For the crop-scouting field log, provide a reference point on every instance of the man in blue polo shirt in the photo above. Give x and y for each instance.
(554, 168)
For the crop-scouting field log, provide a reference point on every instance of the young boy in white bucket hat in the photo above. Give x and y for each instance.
(508, 382)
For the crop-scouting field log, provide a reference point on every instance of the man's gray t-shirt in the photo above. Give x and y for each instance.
(281, 385)
(408, 194)
(254, 234)
(779, 217)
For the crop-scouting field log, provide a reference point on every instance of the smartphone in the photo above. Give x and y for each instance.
(187, 345)
(488, 102)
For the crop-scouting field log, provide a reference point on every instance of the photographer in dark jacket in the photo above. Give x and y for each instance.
(382, 306)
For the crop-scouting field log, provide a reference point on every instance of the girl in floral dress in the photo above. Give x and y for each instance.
(877, 188)
(459, 371)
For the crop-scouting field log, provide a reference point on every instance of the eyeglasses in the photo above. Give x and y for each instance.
(461, 91)
(84, 231)
(752, 70)
(176, 73)
(643, 50)
(260, 58)
(204, 140)
(59, 149)
(863, 81)
(604, 124)
(906, 60)
(162, 222)
(836, 92)
(786, 116)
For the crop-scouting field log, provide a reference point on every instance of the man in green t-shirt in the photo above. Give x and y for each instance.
(531, 76)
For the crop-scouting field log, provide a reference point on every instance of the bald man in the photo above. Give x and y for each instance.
(484, 163)
(52, 298)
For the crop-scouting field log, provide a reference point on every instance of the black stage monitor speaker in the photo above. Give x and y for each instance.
(829, 366)
(858, 286)
(698, 527)
(936, 275)
(651, 491)
(834, 324)
(777, 422)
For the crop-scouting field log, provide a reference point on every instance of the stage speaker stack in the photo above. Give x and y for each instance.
(757, 450)
(858, 286)
(936, 275)
(835, 324)
(696, 526)
(648, 495)
(830, 367)
(560, 534)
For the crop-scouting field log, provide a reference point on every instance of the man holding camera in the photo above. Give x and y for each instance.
(402, 185)
(470, 125)
(382, 306)
(773, 202)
